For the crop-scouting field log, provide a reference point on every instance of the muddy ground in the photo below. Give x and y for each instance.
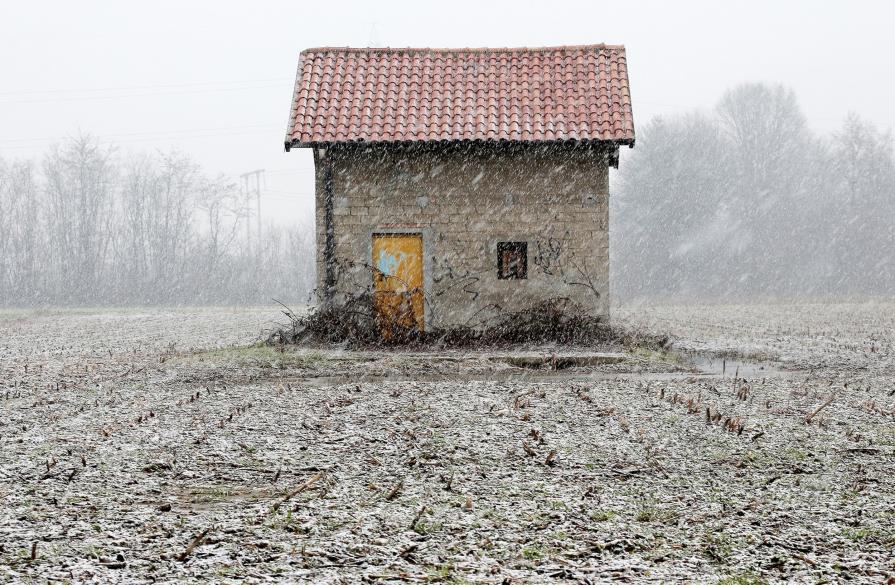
(158, 446)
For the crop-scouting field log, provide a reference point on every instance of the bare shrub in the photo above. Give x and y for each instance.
(556, 320)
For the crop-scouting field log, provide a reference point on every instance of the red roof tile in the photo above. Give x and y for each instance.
(577, 93)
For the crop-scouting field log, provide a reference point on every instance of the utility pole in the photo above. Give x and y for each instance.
(253, 187)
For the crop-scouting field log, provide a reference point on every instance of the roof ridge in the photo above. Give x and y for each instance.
(463, 49)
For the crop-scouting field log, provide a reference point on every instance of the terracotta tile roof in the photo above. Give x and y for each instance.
(576, 93)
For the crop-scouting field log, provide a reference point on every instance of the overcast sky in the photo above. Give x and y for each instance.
(214, 79)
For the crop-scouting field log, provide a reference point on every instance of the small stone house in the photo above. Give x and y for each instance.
(458, 184)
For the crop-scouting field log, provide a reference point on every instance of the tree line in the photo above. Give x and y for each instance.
(739, 202)
(84, 226)
(746, 201)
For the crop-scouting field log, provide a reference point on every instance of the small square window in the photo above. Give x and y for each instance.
(512, 260)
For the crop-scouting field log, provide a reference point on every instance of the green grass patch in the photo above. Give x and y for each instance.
(868, 533)
(649, 512)
(533, 553)
(742, 579)
(719, 547)
(261, 355)
(602, 515)
(658, 355)
(424, 527)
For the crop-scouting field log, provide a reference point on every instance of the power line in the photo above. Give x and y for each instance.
(103, 140)
(287, 194)
(307, 197)
(150, 133)
(136, 95)
(134, 87)
(297, 171)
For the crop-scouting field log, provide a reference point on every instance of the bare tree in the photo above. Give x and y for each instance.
(863, 201)
(751, 202)
(79, 180)
(86, 227)
(157, 208)
(864, 162)
(219, 204)
(768, 130)
(24, 229)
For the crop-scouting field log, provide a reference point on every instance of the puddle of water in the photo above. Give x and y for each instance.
(545, 369)
(728, 367)
(533, 376)
(560, 362)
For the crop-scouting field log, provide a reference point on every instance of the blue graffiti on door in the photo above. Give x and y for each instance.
(387, 264)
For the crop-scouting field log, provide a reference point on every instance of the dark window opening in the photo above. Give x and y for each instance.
(512, 260)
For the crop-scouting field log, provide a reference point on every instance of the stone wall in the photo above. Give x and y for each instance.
(464, 200)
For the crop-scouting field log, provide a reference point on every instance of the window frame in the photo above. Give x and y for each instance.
(520, 248)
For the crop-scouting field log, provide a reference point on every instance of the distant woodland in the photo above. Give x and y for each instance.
(747, 201)
(84, 226)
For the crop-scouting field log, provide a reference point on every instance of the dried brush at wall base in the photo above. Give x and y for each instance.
(557, 320)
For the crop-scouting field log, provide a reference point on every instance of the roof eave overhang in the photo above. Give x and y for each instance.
(327, 144)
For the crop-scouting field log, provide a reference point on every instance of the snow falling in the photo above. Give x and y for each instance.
(668, 363)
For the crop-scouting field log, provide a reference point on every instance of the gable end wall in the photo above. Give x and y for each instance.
(464, 201)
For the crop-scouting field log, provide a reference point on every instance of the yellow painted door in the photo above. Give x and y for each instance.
(398, 283)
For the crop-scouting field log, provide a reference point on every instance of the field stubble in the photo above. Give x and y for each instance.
(161, 445)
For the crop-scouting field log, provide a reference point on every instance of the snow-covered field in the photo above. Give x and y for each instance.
(155, 445)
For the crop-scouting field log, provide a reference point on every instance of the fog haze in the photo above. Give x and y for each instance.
(214, 79)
